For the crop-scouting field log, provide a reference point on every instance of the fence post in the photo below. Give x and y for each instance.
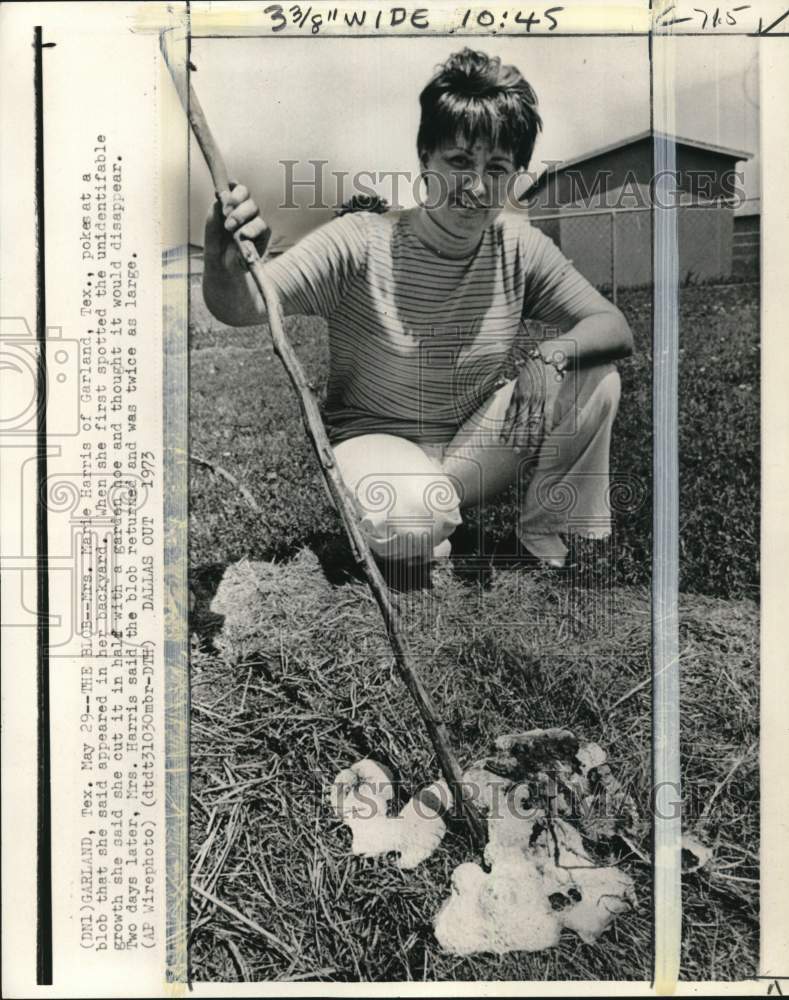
(613, 256)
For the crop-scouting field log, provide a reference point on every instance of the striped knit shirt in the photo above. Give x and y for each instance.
(419, 332)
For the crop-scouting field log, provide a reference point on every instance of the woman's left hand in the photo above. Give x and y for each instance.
(533, 410)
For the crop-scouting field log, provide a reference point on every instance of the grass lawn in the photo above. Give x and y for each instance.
(292, 680)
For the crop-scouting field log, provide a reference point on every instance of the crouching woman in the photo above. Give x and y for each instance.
(424, 308)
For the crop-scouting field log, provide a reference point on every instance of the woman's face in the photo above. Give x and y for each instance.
(467, 184)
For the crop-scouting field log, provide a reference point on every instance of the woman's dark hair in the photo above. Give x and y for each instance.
(473, 95)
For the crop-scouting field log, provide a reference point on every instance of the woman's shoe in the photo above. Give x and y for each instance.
(550, 550)
(442, 551)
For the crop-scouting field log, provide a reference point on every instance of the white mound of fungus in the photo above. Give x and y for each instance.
(540, 880)
(537, 878)
(503, 910)
(361, 797)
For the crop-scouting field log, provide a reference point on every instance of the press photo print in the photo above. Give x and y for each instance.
(427, 755)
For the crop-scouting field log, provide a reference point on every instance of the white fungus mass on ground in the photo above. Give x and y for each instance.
(537, 878)
(361, 796)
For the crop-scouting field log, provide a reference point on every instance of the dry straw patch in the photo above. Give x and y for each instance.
(298, 682)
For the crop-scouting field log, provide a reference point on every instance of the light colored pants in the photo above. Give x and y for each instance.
(409, 496)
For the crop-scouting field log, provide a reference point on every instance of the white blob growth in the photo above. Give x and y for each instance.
(589, 896)
(538, 878)
(361, 796)
(503, 910)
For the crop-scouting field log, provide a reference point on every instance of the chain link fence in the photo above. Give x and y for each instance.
(612, 248)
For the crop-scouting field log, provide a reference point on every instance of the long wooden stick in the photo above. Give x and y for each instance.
(313, 420)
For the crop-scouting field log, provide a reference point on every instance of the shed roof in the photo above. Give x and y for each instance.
(732, 154)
